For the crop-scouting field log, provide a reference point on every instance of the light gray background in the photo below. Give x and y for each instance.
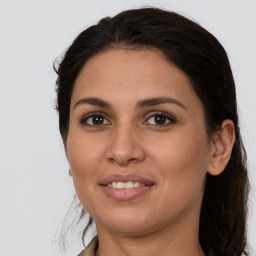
(35, 189)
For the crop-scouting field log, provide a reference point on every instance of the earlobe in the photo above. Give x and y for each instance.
(70, 172)
(221, 148)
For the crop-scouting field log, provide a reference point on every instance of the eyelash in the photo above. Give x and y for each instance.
(91, 115)
(170, 118)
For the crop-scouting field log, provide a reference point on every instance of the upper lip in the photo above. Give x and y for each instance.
(126, 178)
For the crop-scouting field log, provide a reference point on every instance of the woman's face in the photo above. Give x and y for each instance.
(137, 143)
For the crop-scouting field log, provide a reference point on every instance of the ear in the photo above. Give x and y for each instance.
(70, 173)
(221, 148)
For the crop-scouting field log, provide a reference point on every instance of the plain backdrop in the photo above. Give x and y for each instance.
(35, 189)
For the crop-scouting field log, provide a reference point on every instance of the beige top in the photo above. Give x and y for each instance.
(91, 248)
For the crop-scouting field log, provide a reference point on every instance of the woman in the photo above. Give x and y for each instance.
(148, 116)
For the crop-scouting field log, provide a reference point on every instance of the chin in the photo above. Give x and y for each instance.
(129, 224)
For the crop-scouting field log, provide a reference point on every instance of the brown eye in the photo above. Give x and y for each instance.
(97, 120)
(94, 120)
(161, 119)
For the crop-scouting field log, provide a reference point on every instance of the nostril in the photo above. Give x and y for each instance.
(132, 159)
(122, 160)
(124, 151)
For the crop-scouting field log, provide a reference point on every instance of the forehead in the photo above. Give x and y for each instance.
(131, 74)
(140, 64)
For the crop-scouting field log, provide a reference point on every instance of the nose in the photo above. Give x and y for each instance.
(125, 147)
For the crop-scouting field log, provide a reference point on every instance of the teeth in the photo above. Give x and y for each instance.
(129, 184)
(137, 184)
(120, 185)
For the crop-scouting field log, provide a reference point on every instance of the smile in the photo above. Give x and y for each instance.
(126, 187)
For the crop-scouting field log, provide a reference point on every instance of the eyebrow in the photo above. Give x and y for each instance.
(158, 101)
(93, 101)
(141, 104)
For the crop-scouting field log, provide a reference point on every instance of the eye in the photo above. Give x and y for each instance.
(161, 119)
(95, 119)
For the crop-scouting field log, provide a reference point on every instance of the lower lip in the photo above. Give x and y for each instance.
(124, 193)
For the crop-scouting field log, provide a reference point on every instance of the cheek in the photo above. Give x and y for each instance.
(183, 165)
(182, 160)
(83, 161)
(82, 151)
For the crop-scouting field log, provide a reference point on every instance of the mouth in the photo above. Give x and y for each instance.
(126, 187)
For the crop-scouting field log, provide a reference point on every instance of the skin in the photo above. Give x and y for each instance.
(176, 155)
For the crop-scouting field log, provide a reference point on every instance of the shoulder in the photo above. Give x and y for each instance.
(91, 248)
